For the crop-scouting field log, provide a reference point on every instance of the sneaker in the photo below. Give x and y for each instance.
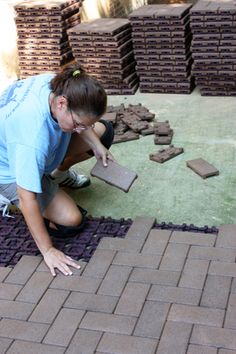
(71, 179)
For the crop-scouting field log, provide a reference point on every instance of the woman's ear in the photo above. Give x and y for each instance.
(62, 102)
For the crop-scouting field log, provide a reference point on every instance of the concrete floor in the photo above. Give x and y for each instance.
(171, 192)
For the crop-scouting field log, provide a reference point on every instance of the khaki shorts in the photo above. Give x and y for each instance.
(49, 188)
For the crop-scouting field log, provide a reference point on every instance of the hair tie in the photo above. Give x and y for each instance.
(75, 73)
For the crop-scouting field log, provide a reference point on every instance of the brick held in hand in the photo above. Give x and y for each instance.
(114, 174)
(202, 168)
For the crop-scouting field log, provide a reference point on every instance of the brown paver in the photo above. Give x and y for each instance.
(153, 292)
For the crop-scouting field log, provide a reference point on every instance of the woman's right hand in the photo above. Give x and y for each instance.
(56, 259)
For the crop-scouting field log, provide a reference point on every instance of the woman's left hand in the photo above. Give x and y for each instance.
(100, 152)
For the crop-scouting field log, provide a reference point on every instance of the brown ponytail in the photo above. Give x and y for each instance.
(84, 94)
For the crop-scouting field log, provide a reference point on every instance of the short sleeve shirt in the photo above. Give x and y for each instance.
(31, 141)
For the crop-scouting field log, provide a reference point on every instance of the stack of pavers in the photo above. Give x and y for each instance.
(104, 48)
(161, 40)
(163, 133)
(131, 122)
(213, 25)
(42, 38)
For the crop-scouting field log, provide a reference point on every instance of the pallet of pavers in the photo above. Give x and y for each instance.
(42, 33)
(104, 47)
(161, 41)
(214, 47)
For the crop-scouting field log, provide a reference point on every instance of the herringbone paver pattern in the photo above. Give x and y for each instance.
(153, 292)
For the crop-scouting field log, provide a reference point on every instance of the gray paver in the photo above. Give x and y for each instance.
(49, 306)
(193, 238)
(61, 334)
(196, 314)
(91, 302)
(152, 319)
(137, 260)
(22, 330)
(23, 270)
(84, 342)
(35, 287)
(174, 295)
(20, 346)
(216, 291)
(108, 323)
(212, 253)
(156, 242)
(122, 344)
(132, 299)
(175, 338)
(4, 344)
(213, 336)
(199, 349)
(115, 280)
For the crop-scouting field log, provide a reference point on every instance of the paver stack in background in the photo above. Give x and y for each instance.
(161, 41)
(104, 48)
(42, 34)
(213, 25)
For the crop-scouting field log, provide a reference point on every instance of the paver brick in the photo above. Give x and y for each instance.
(174, 295)
(61, 334)
(213, 336)
(26, 347)
(4, 344)
(9, 291)
(115, 280)
(216, 291)
(222, 268)
(120, 344)
(4, 271)
(225, 351)
(196, 314)
(193, 238)
(23, 270)
(17, 329)
(230, 319)
(99, 263)
(194, 274)
(156, 242)
(84, 342)
(152, 319)
(49, 306)
(132, 299)
(35, 287)
(91, 302)
(199, 349)
(108, 323)
(15, 309)
(212, 253)
(76, 283)
(150, 276)
(226, 236)
(120, 244)
(140, 228)
(174, 338)
(174, 257)
(137, 260)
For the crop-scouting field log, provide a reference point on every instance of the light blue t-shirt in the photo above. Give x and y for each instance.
(31, 141)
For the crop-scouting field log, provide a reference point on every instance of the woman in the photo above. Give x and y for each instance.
(47, 124)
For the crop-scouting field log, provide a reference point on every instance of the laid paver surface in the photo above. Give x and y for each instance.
(152, 292)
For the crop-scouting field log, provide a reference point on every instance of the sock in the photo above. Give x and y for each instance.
(58, 173)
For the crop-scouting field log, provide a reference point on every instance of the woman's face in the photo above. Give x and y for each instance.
(68, 120)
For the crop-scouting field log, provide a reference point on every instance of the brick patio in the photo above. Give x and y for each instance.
(155, 291)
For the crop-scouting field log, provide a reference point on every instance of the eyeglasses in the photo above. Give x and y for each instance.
(78, 127)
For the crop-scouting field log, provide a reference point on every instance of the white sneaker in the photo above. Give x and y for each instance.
(71, 179)
(4, 205)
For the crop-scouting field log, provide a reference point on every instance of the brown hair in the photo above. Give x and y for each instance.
(84, 93)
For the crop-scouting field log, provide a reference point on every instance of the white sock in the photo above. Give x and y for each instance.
(57, 173)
